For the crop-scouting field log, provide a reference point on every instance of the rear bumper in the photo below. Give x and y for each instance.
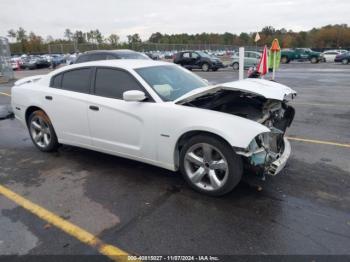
(277, 165)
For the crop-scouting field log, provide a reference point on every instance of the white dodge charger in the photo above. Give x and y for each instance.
(163, 115)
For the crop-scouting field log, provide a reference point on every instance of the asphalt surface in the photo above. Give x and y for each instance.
(147, 210)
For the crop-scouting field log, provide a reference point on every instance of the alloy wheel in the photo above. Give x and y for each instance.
(206, 166)
(40, 131)
(205, 67)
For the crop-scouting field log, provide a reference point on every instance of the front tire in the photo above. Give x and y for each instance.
(314, 60)
(345, 61)
(235, 66)
(42, 132)
(210, 165)
(205, 67)
(284, 60)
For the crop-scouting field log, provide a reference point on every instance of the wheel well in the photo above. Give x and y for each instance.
(30, 110)
(185, 137)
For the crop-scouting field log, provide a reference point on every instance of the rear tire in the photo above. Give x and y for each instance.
(235, 66)
(42, 132)
(345, 61)
(210, 165)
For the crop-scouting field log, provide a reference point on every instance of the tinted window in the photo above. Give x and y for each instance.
(186, 55)
(195, 55)
(82, 59)
(113, 83)
(77, 80)
(109, 57)
(56, 81)
(132, 55)
(95, 57)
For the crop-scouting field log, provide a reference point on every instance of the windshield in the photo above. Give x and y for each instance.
(132, 55)
(169, 81)
(202, 54)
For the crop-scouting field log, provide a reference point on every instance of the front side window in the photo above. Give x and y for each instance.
(170, 81)
(113, 83)
(195, 55)
(77, 80)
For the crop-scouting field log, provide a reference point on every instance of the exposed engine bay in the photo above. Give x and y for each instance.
(274, 114)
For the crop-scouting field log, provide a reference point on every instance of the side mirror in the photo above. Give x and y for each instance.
(134, 96)
(205, 80)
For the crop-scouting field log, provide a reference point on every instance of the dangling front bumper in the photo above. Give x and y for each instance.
(276, 166)
(263, 161)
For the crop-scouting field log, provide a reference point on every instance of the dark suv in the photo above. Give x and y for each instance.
(198, 60)
(109, 54)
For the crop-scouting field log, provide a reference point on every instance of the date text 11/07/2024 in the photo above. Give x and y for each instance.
(173, 258)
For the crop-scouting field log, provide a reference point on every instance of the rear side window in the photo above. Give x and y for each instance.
(77, 80)
(56, 81)
(82, 59)
(113, 83)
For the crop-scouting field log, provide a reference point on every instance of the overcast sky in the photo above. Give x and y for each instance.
(123, 17)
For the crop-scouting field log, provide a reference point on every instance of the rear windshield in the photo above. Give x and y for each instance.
(132, 55)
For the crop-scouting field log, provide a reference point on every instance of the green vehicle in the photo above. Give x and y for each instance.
(251, 59)
(300, 54)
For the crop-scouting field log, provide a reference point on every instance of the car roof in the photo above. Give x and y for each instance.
(116, 51)
(118, 63)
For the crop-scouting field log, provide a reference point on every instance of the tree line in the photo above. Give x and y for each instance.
(330, 36)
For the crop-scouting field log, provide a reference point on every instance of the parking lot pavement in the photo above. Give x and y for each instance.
(147, 210)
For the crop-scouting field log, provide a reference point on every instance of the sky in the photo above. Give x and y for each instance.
(124, 17)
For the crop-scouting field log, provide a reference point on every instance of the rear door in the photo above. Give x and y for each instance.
(66, 105)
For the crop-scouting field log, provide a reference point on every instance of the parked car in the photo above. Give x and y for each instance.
(57, 59)
(343, 58)
(197, 60)
(251, 59)
(34, 62)
(329, 55)
(300, 54)
(16, 63)
(109, 54)
(161, 114)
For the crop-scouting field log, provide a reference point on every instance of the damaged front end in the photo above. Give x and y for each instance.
(268, 152)
(263, 157)
(267, 104)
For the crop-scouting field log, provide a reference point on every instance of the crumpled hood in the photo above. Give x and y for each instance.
(264, 88)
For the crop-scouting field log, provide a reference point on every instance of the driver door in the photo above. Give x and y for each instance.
(195, 59)
(117, 126)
